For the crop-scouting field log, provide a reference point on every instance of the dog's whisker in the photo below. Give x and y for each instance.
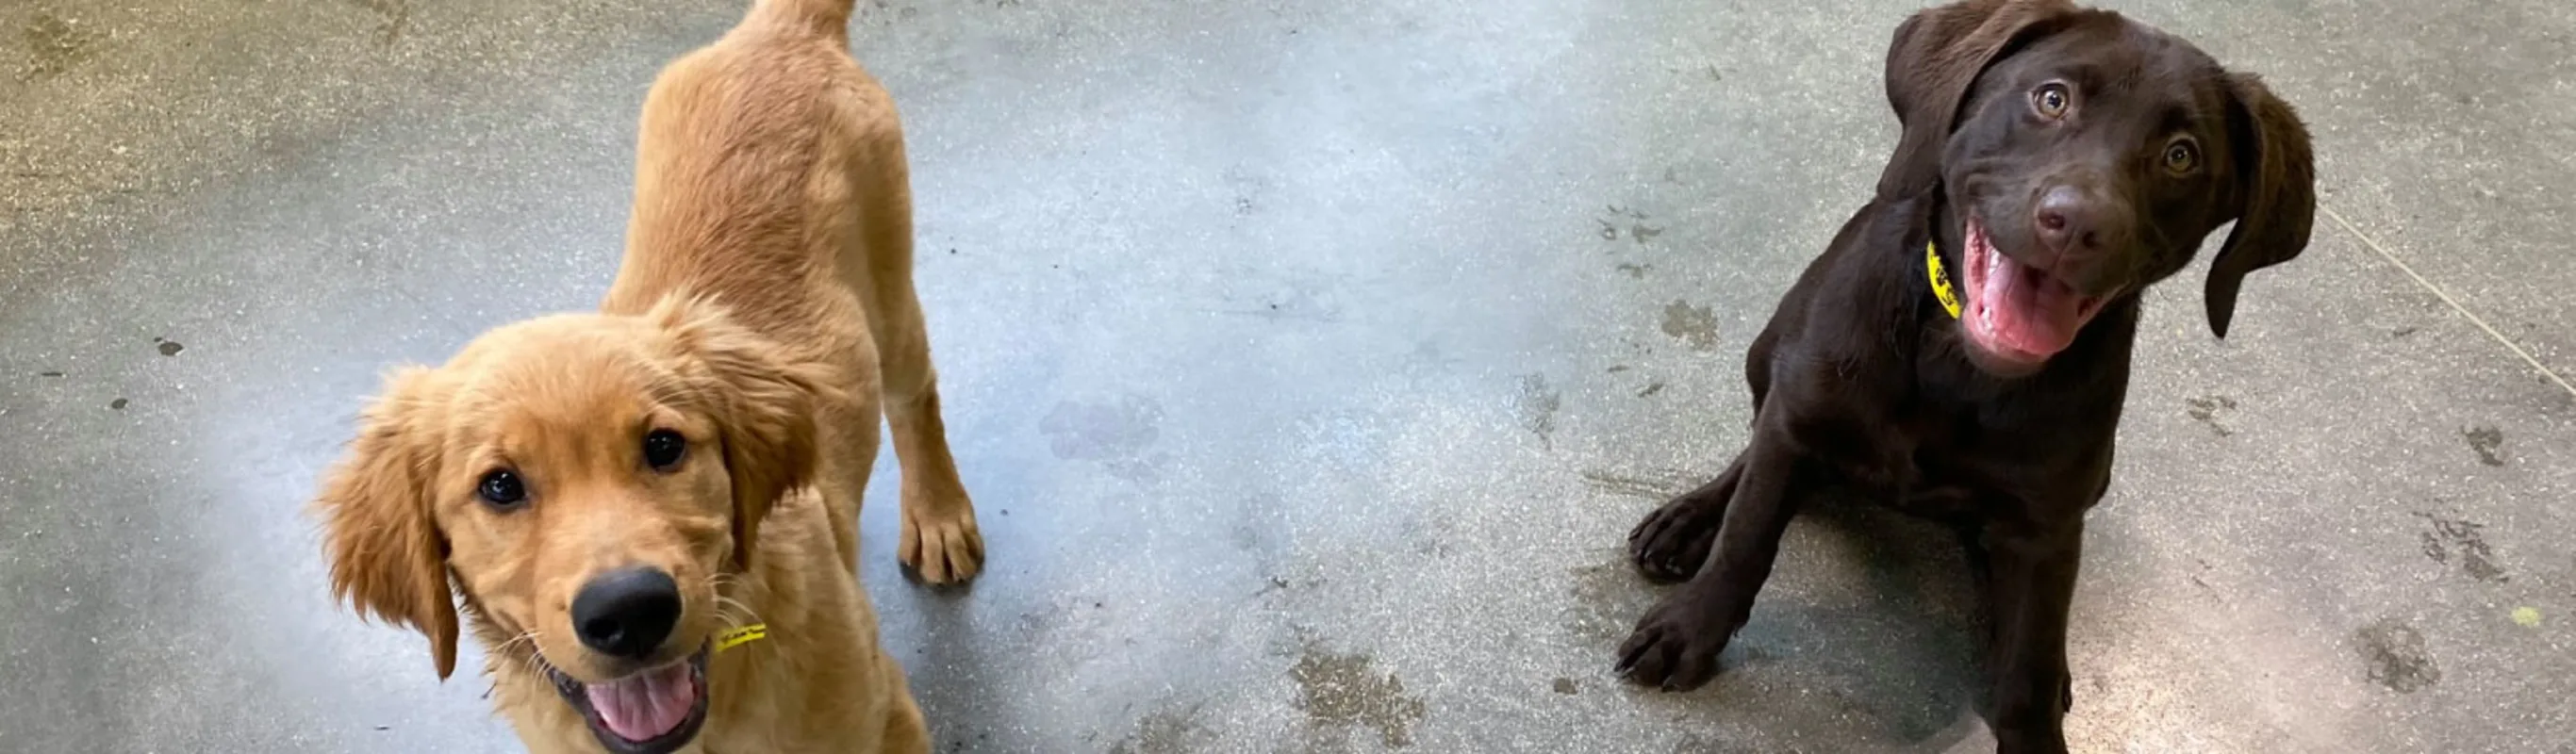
(734, 617)
(525, 637)
(531, 659)
(724, 603)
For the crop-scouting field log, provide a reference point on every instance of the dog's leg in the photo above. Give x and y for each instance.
(1676, 645)
(905, 730)
(940, 541)
(1981, 581)
(1672, 542)
(2033, 581)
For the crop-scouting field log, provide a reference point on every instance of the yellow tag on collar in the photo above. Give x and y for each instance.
(742, 636)
(1941, 287)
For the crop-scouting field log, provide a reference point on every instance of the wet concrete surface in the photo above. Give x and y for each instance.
(1309, 362)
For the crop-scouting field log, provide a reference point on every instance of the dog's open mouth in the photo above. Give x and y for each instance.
(2015, 312)
(652, 712)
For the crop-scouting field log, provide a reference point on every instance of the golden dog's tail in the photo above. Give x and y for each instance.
(828, 18)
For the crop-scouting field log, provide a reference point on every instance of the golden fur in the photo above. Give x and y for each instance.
(764, 311)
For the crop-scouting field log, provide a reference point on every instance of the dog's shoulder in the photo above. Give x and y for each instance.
(1844, 336)
(1864, 285)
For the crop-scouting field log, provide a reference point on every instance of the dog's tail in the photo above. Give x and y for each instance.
(828, 18)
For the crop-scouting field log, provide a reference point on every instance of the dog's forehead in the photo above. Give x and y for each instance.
(2144, 79)
(567, 378)
(564, 376)
(2109, 51)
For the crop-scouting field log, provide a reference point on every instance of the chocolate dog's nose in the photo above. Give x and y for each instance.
(2067, 221)
(626, 613)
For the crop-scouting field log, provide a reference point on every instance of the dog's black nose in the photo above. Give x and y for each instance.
(626, 613)
(2068, 222)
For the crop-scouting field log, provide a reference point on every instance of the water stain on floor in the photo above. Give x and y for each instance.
(1174, 730)
(1638, 230)
(1117, 433)
(2394, 655)
(393, 18)
(2449, 536)
(55, 44)
(1696, 325)
(2207, 410)
(1537, 404)
(1608, 599)
(1341, 692)
(2487, 441)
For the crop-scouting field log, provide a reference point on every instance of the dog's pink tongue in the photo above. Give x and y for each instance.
(648, 705)
(2029, 312)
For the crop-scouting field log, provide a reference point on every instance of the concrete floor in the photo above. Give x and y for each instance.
(1309, 364)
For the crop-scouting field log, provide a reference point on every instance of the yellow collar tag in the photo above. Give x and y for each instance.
(1941, 287)
(742, 636)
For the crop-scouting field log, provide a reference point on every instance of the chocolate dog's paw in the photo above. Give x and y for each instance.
(2029, 742)
(1672, 542)
(1674, 647)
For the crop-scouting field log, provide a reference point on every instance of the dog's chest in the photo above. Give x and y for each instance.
(760, 736)
(1984, 451)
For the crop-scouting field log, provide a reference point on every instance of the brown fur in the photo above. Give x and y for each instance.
(1864, 387)
(765, 311)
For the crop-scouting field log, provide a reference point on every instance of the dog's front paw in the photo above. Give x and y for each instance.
(2010, 741)
(2034, 725)
(1672, 542)
(1675, 647)
(940, 542)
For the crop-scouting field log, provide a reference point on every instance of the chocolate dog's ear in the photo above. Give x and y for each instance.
(1935, 57)
(2276, 192)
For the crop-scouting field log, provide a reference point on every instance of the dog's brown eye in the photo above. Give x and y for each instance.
(500, 489)
(663, 449)
(2050, 100)
(2182, 156)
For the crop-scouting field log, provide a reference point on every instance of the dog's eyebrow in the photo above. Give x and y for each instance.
(665, 388)
(2193, 116)
(2178, 117)
(2089, 78)
(494, 453)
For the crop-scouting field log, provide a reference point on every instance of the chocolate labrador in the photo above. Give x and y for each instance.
(1961, 350)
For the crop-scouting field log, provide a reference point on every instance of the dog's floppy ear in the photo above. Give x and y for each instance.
(387, 557)
(1935, 57)
(765, 402)
(2276, 186)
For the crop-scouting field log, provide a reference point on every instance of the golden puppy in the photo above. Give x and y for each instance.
(618, 498)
